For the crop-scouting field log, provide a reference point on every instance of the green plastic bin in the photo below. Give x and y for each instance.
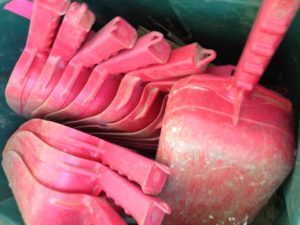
(219, 24)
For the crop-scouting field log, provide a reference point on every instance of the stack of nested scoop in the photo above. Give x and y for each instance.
(110, 83)
(228, 142)
(57, 175)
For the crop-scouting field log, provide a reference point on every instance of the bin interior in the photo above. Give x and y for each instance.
(219, 24)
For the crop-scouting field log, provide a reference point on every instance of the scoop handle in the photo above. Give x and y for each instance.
(45, 20)
(150, 175)
(186, 60)
(146, 210)
(272, 22)
(115, 36)
(73, 30)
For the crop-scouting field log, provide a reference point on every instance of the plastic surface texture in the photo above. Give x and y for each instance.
(63, 172)
(151, 176)
(230, 163)
(232, 19)
(66, 208)
(239, 142)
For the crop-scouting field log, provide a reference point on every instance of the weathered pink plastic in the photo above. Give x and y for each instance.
(272, 23)
(36, 51)
(73, 31)
(67, 173)
(44, 23)
(115, 36)
(96, 94)
(149, 50)
(151, 176)
(227, 139)
(36, 93)
(53, 207)
(105, 43)
(136, 139)
(144, 113)
(71, 81)
(224, 70)
(151, 131)
(186, 60)
(103, 83)
(136, 121)
(20, 7)
(183, 61)
(30, 62)
(75, 26)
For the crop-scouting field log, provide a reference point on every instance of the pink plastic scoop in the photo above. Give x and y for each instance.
(230, 142)
(40, 205)
(112, 38)
(153, 129)
(47, 15)
(67, 173)
(132, 139)
(151, 176)
(144, 113)
(103, 83)
(72, 32)
(183, 61)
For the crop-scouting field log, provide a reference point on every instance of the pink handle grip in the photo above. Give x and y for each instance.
(144, 209)
(186, 60)
(73, 30)
(115, 36)
(273, 21)
(148, 173)
(150, 49)
(71, 174)
(44, 23)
